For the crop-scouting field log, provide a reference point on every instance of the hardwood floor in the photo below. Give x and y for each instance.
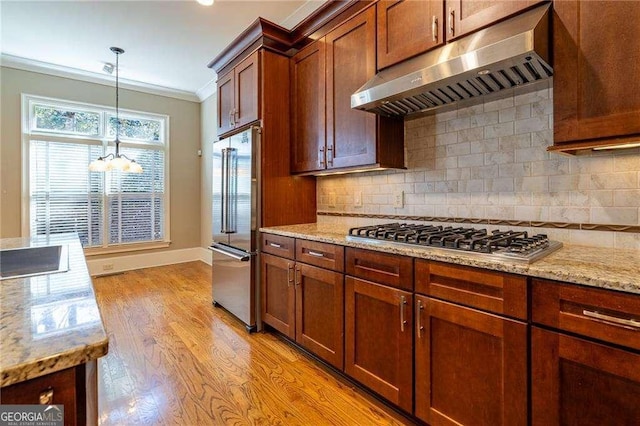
(174, 359)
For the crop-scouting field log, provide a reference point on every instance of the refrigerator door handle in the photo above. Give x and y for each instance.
(224, 196)
(240, 255)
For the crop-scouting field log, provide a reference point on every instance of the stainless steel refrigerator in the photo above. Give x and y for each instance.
(236, 220)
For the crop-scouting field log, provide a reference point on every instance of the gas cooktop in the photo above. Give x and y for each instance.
(514, 246)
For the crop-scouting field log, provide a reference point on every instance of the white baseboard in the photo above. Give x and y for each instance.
(115, 264)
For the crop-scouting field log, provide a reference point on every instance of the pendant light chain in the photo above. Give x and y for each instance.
(116, 161)
(117, 105)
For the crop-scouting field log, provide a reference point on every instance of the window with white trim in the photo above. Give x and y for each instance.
(105, 209)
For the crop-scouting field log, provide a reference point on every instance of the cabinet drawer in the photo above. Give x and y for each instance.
(487, 290)
(389, 269)
(602, 314)
(278, 245)
(329, 256)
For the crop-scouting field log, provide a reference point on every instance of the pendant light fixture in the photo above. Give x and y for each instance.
(116, 161)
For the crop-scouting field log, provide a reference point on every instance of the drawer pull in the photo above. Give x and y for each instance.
(276, 245)
(46, 397)
(403, 303)
(315, 253)
(609, 318)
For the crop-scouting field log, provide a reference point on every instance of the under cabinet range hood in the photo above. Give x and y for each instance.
(510, 54)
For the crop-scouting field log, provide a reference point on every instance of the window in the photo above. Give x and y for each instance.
(109, 209)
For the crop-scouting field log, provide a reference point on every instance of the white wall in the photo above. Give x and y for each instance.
(489, 161)
(208, 120)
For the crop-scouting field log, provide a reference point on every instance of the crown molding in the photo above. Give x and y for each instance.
(207, 90)
(301, 13)
(17, 62)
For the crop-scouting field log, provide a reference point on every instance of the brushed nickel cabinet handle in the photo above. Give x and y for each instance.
(231, 123)
(321, 159)
(289, 275)
(434, 28)
(46, 397)
(452, 14)
(330, 156)
(276, 245)
(297, 275)
(315, 253)
(419, 325)
(403, 302)
(615, 320)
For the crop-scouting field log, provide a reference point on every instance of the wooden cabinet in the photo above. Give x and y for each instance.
(465, 354)
(596, 51)
(278, 294)
(303, 301)
(407, 28)
(308, 124)
(353, 139)
(238, 95)
(378, 327)
(74, 388)
(576, 380)
(466, 16)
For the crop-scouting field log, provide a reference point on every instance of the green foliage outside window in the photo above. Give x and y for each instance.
(66, 120)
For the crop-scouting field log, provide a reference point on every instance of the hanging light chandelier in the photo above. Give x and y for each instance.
(116, 161)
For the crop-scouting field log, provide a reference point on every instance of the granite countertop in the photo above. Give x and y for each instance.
(48, 322)
(614, 269)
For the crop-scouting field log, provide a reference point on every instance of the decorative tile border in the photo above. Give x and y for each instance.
(477, 221)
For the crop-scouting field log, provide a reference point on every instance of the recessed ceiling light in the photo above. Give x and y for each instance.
(205, 2)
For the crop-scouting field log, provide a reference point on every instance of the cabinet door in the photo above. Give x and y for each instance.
(247, 90)
(466, 16)
(471, 366)
(308, 109)
(278, 294)
(320, 312)
(407, 28)
(577, 382)
(226, 102)
(351, 62)
(67, 387)
(596, 51)
(378, 339)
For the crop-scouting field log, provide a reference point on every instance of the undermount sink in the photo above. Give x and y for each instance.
(30, 261)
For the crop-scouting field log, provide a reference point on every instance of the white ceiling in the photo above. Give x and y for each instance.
(167, 44)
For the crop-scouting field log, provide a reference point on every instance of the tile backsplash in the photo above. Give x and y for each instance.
(489, 161)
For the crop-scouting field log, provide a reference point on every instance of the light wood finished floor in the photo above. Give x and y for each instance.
(175, 360)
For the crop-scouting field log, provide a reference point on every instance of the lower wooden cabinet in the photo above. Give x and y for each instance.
(305, 303)
(320, 312)
(379, 339)
(578, 382)
(75, 388)
(471, 366)
(278, 294)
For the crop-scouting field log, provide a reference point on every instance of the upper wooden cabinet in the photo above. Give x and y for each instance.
(238, 95)
(596, 64)
(348, 139)
(308, 123)
(407, 28)
(466, 16)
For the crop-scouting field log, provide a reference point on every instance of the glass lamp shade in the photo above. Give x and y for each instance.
(119, 163)
(98, 165)
(135, 167)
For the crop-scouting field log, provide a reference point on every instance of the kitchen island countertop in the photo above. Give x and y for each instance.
(614, 269)
(48, 322)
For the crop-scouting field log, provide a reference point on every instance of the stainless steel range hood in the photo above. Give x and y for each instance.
(511, 54)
